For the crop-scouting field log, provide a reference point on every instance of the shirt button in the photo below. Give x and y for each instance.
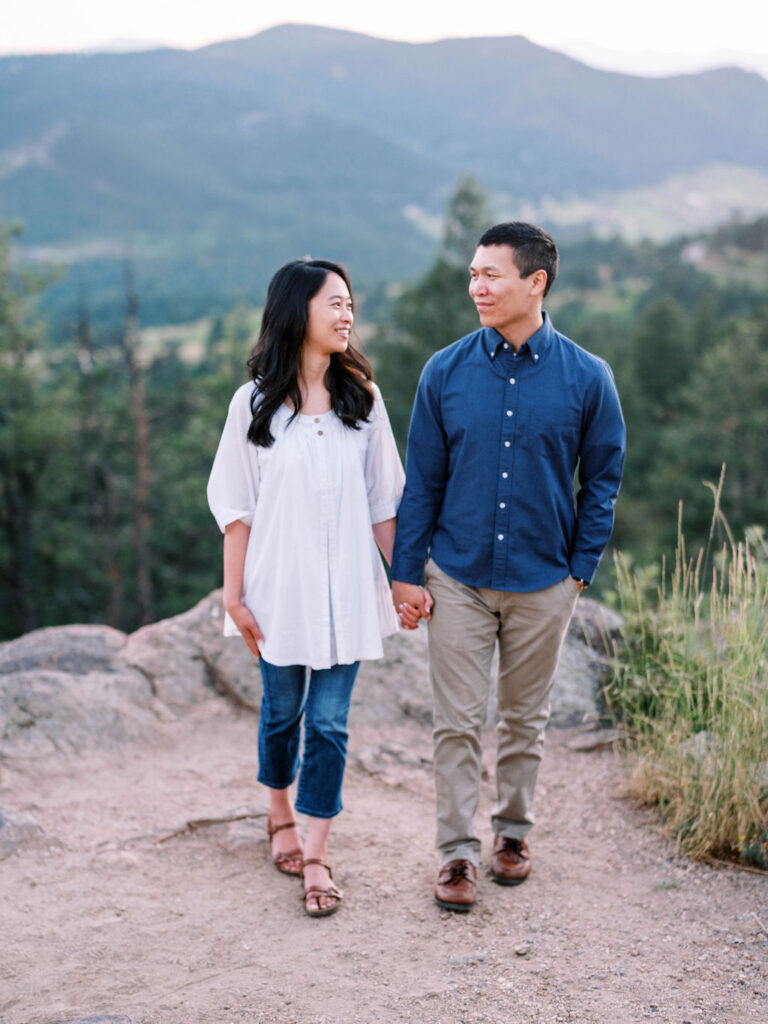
(511, 380)
(319, 433)
(509, 412)
(506, 344)
(535, 357)
(317, 419)
(506, 444)
(501, 536)
(502, 504)
(505, 475)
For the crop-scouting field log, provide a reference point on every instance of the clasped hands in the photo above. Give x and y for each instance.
(412, 603)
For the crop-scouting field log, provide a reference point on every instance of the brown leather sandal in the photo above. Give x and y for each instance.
(286, 862)
(317, 892)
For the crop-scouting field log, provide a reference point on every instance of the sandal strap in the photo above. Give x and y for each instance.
(321, 863)
(281, 858)
(316, 891)
(272, 829)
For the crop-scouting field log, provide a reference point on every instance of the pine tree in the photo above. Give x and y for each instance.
(435, 311)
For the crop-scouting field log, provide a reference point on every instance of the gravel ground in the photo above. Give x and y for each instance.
(110, 917)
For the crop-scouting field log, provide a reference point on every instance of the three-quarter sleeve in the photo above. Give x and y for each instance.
(233, 486)
(384, 475)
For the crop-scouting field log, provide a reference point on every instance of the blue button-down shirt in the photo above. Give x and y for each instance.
(495, 440)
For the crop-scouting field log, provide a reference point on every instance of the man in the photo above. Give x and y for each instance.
(502, 420)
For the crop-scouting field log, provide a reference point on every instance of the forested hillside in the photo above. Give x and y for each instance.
(209, 168)
(107, 434)
(685, 328)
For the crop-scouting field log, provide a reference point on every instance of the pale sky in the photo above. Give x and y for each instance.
(665, 26)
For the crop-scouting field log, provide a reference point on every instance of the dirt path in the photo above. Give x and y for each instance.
(611, 926)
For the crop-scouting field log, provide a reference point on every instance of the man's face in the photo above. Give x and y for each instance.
(503, 298)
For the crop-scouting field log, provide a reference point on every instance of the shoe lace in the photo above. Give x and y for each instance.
(512, 845)
(458, 872)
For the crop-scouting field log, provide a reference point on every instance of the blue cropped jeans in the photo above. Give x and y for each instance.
(322, 697)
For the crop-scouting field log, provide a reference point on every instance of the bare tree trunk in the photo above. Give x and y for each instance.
(18, 483)
(102, 489)
(140, 518)
(17, 493)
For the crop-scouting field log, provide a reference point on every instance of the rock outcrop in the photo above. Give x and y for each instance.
(74, 688)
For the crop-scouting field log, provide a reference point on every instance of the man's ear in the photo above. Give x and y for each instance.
(538, 281)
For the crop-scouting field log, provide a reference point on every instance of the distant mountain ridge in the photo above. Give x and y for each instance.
(304, 138)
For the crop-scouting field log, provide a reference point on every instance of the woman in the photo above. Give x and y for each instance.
(305, 483)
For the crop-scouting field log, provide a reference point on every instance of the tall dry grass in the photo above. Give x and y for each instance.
(691, 686)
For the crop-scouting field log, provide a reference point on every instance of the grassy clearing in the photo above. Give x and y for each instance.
(691, 685)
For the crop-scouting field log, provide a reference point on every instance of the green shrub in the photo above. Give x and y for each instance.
(690, 686)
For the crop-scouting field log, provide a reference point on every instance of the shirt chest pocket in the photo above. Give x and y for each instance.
(553, 432)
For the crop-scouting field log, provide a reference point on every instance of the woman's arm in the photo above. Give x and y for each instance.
(236, 537)
(385, 537)
(384, 534)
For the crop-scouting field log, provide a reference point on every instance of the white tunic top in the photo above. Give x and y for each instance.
(313, 579)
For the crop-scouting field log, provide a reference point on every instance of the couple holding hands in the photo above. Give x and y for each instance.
(485, 537)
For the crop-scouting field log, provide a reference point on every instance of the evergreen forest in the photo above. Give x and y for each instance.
(108, 428)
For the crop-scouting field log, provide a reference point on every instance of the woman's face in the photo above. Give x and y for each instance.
(330, 318)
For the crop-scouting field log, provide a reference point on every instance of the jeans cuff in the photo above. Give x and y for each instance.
(303, 809)
(274, 785)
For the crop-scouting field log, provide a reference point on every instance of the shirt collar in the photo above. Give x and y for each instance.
(535, 347)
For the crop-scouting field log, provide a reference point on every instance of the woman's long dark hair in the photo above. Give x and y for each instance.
(276, 359)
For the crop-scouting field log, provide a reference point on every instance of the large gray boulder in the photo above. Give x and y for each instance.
(187, 659)
(68, 649)
(59, 693)
(597, 627)
(398, 684)
(74, 688)
(19, 830)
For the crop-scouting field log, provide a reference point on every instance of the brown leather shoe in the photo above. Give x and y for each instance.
(456, 887)
(511, 862)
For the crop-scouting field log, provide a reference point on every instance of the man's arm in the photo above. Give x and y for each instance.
(426, 466)
(601, 460)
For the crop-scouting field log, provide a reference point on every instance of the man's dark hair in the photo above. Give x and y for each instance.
(533, 249)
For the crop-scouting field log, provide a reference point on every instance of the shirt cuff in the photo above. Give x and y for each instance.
(407, 571)
(583, 572)
(225, 516)
(383, 511)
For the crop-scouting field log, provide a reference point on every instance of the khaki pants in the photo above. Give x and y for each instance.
(466, 623)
